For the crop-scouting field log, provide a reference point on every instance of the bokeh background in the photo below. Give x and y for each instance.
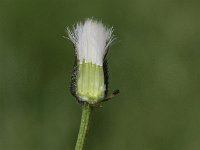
(155, 64)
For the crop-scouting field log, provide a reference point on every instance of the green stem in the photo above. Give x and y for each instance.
(85, 118)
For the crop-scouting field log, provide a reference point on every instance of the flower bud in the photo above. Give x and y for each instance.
(91, 40)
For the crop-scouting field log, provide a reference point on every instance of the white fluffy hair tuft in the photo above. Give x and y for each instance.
(91, 40)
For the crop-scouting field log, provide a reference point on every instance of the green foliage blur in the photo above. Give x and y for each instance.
(154, 62)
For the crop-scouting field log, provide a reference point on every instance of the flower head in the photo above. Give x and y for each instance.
(91, 40)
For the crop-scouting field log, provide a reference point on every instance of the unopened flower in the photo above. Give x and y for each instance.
(91, 40)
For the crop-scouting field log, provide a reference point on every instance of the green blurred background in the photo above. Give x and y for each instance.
(155, 64)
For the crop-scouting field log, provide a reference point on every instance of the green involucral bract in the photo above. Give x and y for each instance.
(90, 82)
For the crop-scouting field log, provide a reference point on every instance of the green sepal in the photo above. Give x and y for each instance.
(90, 82)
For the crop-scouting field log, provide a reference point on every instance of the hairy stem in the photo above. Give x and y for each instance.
(85, 118)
